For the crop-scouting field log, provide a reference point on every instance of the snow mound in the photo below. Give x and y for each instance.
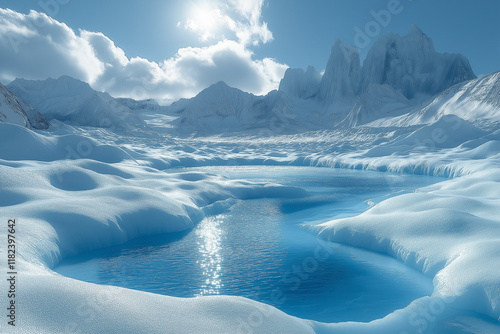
(448, 231)
(447, 132)
(18, 143)
(91, 308)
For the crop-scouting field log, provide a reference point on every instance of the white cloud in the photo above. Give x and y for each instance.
(185, 74)
(213, 19)
(35, 46)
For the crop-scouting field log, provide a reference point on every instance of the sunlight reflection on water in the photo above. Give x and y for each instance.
(209, 246)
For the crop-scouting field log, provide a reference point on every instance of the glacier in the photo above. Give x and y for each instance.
(96, 177)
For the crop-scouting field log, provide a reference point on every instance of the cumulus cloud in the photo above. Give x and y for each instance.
(35, 46)
(186, 73)
(214, 19)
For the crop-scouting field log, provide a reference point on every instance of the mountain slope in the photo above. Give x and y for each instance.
(301, 84)
(14, 110)
(377, 101)
(75, 102)
(476, 101)
(219, 107)
(447, 132)
(341, 78)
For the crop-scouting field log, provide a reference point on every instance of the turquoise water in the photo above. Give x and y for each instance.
(259, 250)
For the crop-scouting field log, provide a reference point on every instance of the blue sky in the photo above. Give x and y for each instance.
(458, 26)
(205, 41)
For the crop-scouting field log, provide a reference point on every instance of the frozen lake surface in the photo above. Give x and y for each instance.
(259, 250)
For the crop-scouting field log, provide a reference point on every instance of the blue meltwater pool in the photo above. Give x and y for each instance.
(259, 250)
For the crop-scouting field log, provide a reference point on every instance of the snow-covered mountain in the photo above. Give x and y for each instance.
(301, 84)
(223, 109)
(16, 111)
(217, 108)
(75, 102)
(398, 74)
(341, 78)
(408, 64)
(403, 81)
(139, 106)
(476, 101)
(377, 101)
(412, 67)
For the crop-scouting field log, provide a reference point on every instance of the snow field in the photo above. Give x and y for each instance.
(67, 204)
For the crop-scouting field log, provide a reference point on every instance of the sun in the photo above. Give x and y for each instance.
(205, 19)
